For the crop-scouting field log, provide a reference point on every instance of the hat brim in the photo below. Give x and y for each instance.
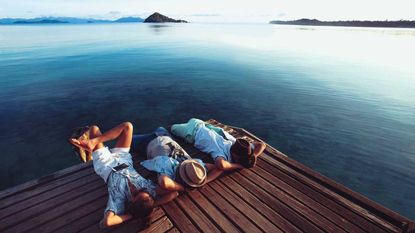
(183, 176)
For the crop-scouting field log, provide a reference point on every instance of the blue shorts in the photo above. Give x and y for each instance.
(140, 141)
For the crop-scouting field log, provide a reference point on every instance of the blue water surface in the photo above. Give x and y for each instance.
(339, 100)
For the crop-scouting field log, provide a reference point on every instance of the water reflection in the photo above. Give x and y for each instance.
(158, 28)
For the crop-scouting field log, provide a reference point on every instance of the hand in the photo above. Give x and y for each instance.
(87, 145)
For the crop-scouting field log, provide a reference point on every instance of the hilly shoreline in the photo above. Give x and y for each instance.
(154, 18)
(350, 23)
(67, 20)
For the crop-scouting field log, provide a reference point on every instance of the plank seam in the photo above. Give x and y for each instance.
(315, 200)
(340, 202)
(51, 197)
(300, 200)
(223, 186)
(289, 206)
(223, 214)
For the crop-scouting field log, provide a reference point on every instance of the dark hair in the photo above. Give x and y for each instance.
(242, 153)
(79, 131)
(142, 208)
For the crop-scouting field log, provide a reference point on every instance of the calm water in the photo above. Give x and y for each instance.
(340, 100)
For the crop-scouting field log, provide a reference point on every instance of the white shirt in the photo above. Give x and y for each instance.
(163, 145)
(104, 160)
(214, 144)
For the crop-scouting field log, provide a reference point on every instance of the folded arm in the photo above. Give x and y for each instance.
(213, 172)
(224, 165)
(259, 148)
(167, 183)
(111, 219)
(164, 196)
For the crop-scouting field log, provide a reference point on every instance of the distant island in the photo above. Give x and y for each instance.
(154, 18)
(353, 23)
(67, 20)
(43, 21)
(159, 18)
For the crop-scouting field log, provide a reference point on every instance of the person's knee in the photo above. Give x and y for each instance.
(94, 131)
(128, 126)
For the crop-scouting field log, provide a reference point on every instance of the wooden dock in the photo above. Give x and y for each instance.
(278, 195)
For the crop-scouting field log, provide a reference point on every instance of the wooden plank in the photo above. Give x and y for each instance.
(410, 227)
(240, 221)
(47, 205)
(134, 225)
(179, 218)
(91, 221)
(302, 209)
(131, 226)
(250, 213)
(196, 214)
(57, 210)
(328, 217)
(327, 192)
(173, 230)
(221, 221)
(39, 189)
(349, 220)
(295, 218)
(162, 225)
(43, 180)
(390, 216)
(70, 217)
(54, 193)
(261, 207)
(86, 221)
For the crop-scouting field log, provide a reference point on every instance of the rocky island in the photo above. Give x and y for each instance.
(159, 18)
(353, 23)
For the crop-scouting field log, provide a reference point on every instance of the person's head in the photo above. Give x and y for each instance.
(142, 207)
(81, 133)
(191, 173)
(242, 152)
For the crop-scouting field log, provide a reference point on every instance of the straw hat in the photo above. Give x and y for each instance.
(192, 173)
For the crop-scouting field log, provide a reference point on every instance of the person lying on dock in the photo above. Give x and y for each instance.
(177, 170)
(130, 194)
(227, 152)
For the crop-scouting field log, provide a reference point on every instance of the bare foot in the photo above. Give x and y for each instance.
(87, 145)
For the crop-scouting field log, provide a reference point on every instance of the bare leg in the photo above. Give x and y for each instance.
(125, 138)
(123, 133)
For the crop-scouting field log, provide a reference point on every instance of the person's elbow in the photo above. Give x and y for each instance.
(107, 222)
(221, 164)
(163, 183)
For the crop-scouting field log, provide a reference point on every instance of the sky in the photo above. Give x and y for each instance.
(214, 10)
